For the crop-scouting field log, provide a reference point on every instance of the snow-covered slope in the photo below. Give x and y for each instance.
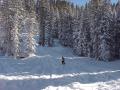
(45, 72)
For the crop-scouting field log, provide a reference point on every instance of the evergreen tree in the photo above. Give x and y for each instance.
(106, 33)
(116, 27)
(41, 20)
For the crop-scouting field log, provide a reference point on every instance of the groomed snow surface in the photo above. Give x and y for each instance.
(44, 71)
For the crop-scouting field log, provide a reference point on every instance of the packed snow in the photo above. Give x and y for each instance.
(44, 71)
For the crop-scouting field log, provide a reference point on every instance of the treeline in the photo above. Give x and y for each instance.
(92, 30)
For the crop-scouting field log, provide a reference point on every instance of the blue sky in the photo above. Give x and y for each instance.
(82, 2)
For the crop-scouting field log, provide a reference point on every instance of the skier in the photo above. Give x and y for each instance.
(63, 60)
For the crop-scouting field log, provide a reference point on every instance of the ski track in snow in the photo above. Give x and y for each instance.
(45, 72)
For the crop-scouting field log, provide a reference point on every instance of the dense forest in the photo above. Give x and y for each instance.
(91, 30)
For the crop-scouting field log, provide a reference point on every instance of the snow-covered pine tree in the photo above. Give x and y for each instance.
(81, 33)
(95, 18)
(10, 27)
(2, 28)
(15, 38)
(55, 21)
(94, 11)
(28, 43)
(105, 36)
(77, 33)
(86, 32)
(49, 24)
(101, 33)
(15, 33)
(117, 30)
(42, 11)
(65, 32)
(28, 30)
